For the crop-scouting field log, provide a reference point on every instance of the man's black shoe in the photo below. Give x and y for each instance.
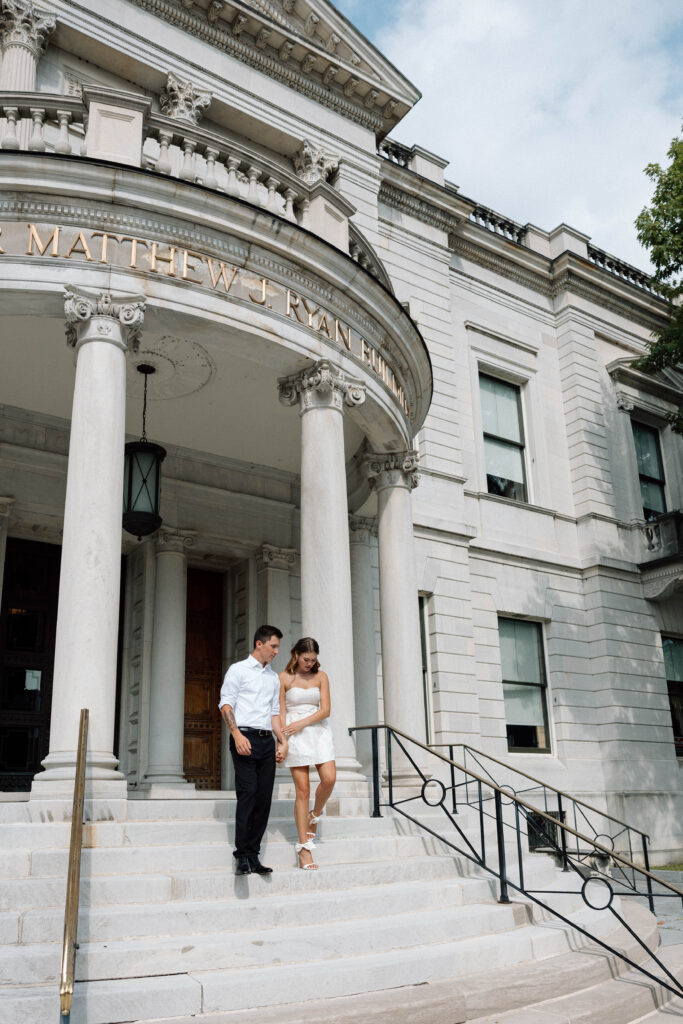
(258, 868)
(243, 866)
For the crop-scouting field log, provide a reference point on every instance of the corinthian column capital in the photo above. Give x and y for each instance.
(270, 557)
(24, 24)
(182, 101)
(6, 508)
(322, 385)
(362, 529)
(93, 312)
(176, 541)
(393, 469)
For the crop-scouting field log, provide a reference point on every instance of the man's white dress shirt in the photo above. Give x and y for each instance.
(253, 692)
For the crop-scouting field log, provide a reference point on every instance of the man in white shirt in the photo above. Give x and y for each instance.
(250, 706)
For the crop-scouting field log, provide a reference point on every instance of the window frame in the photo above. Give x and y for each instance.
(544, 687)
(636, 421)
(427, 682)
(678, 683)
(520, 446)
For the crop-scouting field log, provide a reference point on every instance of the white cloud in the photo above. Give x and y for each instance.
(547, 111)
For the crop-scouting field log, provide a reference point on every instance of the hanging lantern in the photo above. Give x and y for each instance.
(142, 477)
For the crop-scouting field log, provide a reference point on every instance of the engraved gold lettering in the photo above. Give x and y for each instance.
(324, 327)
(80, 246)
(221, 275)
(105, 239)
(187, 266)
(339, 335)
(365, 351)
(156, 258)
(293, 306)
(262, 300)
(33, 236)
(2, 251)
(311, 311)
(134, 243)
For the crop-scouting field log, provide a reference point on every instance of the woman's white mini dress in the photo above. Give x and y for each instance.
(313, 744)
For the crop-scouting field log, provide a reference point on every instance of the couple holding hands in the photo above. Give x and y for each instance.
(255, 703)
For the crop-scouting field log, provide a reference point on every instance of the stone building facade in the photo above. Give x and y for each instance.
(394, 419)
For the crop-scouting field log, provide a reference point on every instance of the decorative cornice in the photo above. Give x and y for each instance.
(80, 308)
(422, 210)
(322, 385)
(392, 469)
(313, 164)
(182, 101)
(171, 539)
(624, 402)
(24, 24)
(270, 557)
(254, 52)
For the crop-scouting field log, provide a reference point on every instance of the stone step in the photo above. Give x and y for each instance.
(184, 918)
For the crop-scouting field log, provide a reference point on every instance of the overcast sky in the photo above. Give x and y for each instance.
(548, 110)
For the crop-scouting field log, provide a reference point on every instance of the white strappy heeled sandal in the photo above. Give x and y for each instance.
(310, 846)
(313, 819)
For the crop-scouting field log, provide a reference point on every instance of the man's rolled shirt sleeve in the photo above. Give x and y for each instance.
(275, 710)
(230, 688)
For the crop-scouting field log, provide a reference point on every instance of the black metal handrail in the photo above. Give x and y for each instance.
(598, 887)
(612, 831)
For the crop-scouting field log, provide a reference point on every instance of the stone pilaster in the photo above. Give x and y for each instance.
(167, 695)
(361, 532)
(322, 392)
(101, 329)
(393, 475)
(5, 512)
(273, 568)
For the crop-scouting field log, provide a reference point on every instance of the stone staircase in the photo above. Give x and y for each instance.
(393, 926)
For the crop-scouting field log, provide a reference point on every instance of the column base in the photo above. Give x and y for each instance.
(172, 789)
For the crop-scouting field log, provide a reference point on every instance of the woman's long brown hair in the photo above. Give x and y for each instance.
(307, 645)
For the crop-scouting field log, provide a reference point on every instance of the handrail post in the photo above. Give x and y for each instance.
(650, 900)
(70, 943)
(376, 813)
(503, 898)
(450, 754)
(563, 834)
(389, 771)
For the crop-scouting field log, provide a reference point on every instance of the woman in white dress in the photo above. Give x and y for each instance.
(305, 710)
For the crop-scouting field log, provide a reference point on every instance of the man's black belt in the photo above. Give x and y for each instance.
(254, 732)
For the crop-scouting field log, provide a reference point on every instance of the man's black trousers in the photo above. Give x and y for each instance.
(254, 778)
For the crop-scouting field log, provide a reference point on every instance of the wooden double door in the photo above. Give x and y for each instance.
(203, 678)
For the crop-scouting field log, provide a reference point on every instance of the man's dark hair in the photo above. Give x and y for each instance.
(264, 633)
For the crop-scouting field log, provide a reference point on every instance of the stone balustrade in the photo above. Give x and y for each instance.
(395, 152)
(196, 154)
(498, 224)
(58, 123)
(620, 269)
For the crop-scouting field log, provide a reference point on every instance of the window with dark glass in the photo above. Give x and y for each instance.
(501, 411)
(426, 675)
(673, 663)
(524, 685)
(650, 469)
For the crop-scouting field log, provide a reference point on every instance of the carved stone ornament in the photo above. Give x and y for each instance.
(386, 469)
(270, 557)
(214, 9)
(80, 309)
(6, 507)
(24, 24)
(313, 164)
(362, 529)
(182, 101)
(624, 402)
(169, 538)
(321, 385)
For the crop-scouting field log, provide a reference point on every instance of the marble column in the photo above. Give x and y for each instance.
(101, 329)
(24, 30)
(364, 652)
(273, 567)
(5, 510)
(167, 690)
(393, 475)
(322, 392)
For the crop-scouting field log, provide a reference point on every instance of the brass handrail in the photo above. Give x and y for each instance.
(523, 803)
(539, 782)
(70, 943)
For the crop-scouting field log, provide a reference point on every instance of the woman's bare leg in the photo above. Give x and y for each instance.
(327, 771)
(302, 788)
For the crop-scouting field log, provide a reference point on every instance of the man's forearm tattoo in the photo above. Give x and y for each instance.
(229, 716)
